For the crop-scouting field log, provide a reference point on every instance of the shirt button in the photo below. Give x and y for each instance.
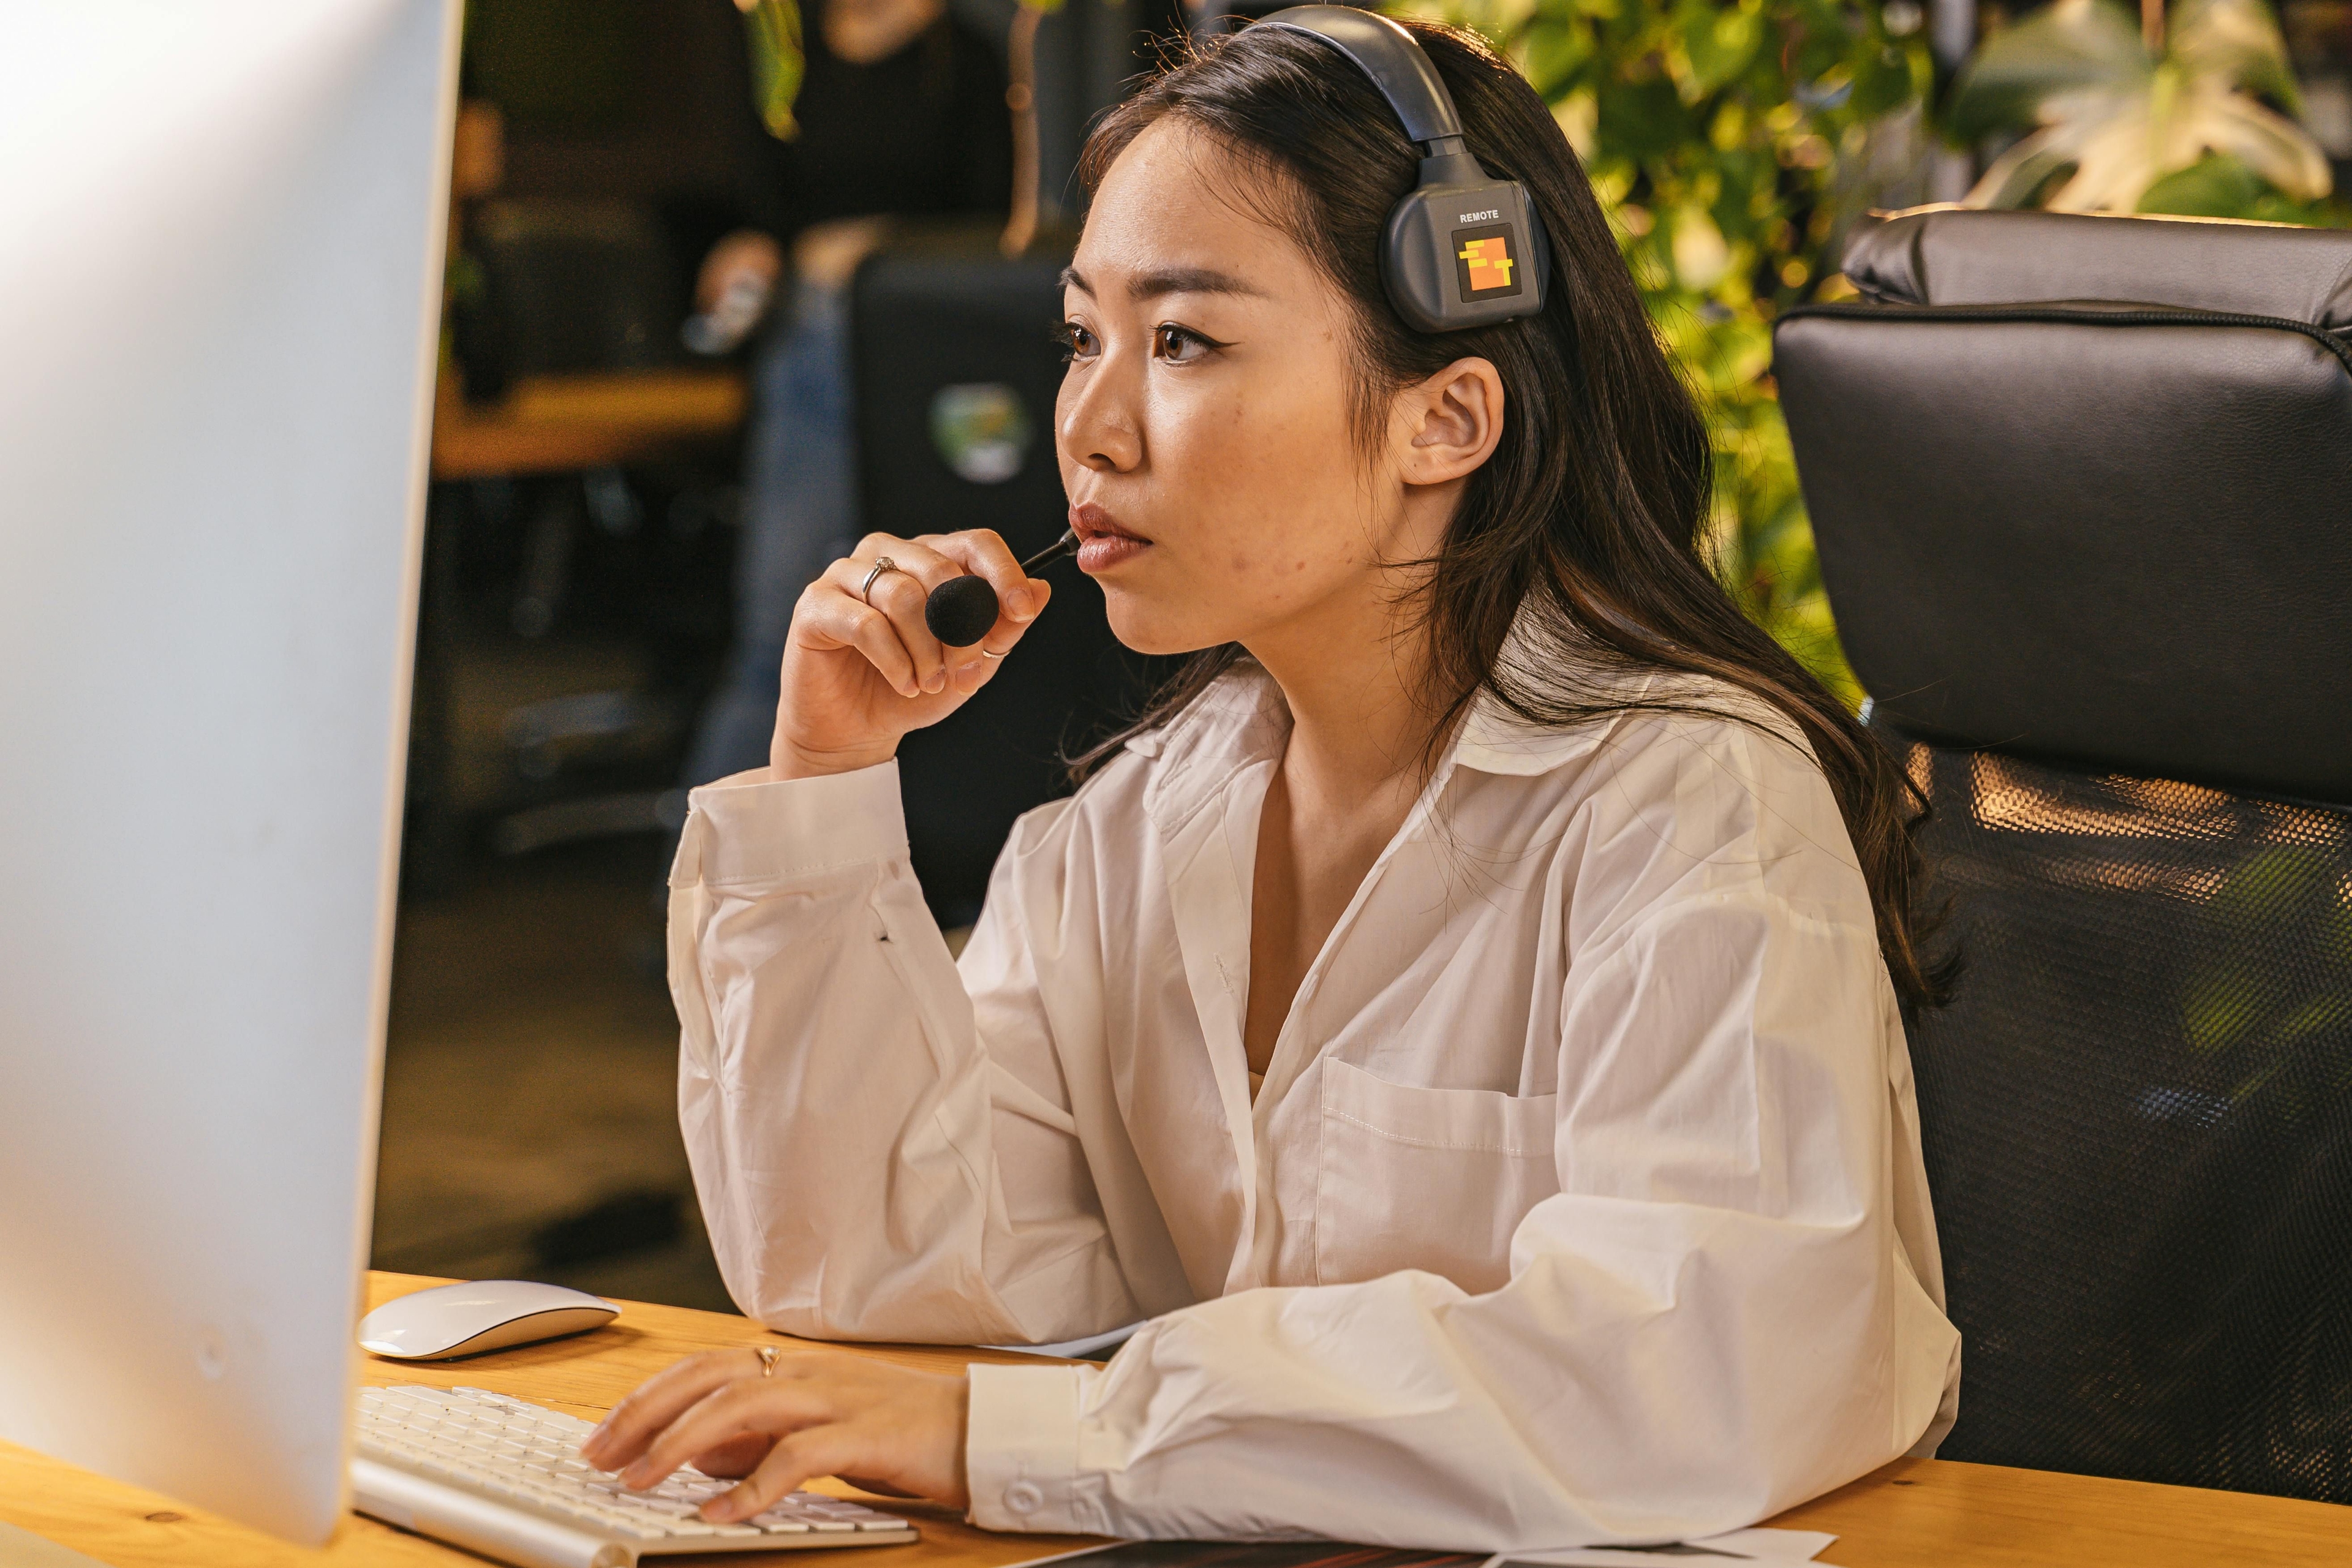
(1022, 1497)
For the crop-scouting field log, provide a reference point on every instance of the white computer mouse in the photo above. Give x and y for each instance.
(481, 1315)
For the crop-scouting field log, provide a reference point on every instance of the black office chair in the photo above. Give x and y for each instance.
(956, 368)
(2083, 490)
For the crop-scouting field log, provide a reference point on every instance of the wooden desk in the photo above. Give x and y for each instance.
(556, 422)
(1914, 1513)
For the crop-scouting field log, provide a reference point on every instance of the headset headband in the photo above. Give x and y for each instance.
(1390, 56)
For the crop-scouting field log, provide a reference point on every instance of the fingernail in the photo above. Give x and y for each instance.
(1019, 604)
(718, 1510)
(936, 680)
(971, 668)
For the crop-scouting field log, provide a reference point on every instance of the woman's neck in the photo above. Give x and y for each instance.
(1353, 674)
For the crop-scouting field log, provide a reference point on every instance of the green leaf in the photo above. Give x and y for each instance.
(2074, 46)
(1555, 50)
(1719, 42)
(2238, 40)
(1882, 82)
(2216, 186)
(1644, 119)
(772, 32)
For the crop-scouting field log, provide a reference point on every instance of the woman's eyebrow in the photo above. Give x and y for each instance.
(1168, 281)
(1187, 281)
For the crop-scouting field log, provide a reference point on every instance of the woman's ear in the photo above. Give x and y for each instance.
(1450, 423)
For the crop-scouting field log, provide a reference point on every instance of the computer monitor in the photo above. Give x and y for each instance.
(220, 265)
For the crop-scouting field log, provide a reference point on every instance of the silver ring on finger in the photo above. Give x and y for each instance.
(990, 653)
(881, 564)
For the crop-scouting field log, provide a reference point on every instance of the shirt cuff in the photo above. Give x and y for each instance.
(760, 830)
(1021, 1451)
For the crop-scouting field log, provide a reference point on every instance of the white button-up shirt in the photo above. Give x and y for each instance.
(1582, 1200)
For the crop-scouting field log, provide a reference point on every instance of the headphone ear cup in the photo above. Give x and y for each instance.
(1416, 287)
(1461, 256)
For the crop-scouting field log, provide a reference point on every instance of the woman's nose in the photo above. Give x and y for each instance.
(1097, 426)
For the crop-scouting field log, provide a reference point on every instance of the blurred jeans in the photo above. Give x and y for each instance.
(800, 515)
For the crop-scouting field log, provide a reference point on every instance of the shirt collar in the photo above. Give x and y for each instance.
(1494, 739)
(1240, 718)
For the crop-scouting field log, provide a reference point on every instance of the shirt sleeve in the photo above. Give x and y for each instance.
(1712, 1320)
(883, 1145)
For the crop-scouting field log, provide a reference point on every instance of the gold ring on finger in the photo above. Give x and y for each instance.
(767, 1354)
(881, 564)
(990, 653)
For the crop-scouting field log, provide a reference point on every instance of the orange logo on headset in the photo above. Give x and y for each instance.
(1483, 267)
(1489, 263)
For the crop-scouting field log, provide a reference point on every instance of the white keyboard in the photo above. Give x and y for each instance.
(504, 1477)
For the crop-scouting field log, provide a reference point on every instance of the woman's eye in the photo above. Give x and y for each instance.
(1076, 342)
(1179, 344)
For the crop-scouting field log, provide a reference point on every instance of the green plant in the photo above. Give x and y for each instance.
(772, 31)
(2168, 119)
(1713, 133)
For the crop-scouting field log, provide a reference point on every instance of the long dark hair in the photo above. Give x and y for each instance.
(1584, 528)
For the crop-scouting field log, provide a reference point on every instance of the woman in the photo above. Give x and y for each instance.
(1463, 1016)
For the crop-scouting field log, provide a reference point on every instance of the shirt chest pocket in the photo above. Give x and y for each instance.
(1426, 1178)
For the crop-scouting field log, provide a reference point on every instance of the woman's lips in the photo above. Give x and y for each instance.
(1103, 542)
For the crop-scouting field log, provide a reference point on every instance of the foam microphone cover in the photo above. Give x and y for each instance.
(961, 610)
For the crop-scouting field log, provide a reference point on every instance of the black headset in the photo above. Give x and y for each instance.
(1461, 249)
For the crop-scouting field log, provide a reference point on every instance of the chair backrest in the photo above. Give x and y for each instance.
(2082, 488)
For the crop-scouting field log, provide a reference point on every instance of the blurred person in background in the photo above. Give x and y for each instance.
(900, 112)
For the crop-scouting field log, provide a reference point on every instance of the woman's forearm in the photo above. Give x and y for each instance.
(840, 1110)
(1647, 1376)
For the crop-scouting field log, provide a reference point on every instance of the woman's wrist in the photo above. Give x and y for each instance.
(787, 759)
(959, 1469)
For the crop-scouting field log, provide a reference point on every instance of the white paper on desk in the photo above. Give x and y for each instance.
(1074, 1350)
(1764, 1546)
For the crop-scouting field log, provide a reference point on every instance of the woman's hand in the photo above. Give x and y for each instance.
(821, 1412)
(859, 672)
